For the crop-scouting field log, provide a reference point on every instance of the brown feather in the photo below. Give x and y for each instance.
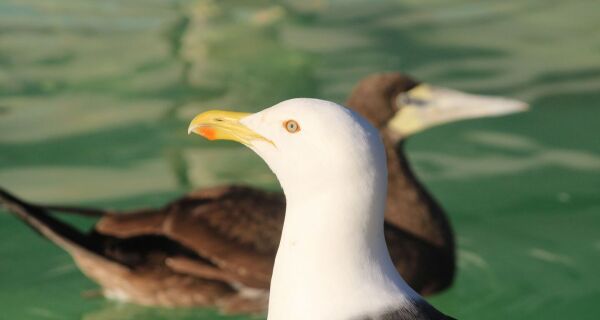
(214, 246)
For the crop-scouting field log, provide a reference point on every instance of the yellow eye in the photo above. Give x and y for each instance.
(291, 126)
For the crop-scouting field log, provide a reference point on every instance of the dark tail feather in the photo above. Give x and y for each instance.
(86, 212)
(39, 219)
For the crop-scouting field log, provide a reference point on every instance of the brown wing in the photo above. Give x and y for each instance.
(232, 234)
(235, 228)
(133, 257)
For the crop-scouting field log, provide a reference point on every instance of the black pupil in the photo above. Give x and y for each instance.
(291, 125)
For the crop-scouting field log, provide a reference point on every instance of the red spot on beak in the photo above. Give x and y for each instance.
(208, 133)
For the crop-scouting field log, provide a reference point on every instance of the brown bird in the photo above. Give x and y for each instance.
(216, 246)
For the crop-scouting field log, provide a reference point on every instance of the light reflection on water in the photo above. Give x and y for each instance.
(95, 98)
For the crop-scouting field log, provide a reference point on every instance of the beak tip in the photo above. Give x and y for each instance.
(518, 106)
(190, 129)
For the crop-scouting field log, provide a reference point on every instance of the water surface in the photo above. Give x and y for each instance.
(95, 97)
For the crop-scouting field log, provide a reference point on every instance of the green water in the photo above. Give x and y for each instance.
(95, 97)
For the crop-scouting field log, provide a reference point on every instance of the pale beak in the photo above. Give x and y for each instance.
(224, 125)
(426, 106)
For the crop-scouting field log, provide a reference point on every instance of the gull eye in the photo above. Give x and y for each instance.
(291, 126)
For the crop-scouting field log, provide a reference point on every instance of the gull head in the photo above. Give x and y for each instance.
(307, 143)
(331, 164)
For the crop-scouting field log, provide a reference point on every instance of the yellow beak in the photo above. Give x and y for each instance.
(224, 125)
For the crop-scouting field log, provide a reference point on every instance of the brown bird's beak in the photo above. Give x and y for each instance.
(426, 106)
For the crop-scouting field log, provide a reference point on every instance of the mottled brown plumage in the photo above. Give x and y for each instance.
(217, 246)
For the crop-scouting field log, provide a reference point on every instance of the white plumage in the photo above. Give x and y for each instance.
(332, 261)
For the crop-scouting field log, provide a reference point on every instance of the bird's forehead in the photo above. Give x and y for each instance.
(314, 110)
(314, 116)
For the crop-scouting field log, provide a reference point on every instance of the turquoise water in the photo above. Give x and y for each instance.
(95, 97)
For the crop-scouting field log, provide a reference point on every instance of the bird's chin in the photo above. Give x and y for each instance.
(263, 149)
(267, 152)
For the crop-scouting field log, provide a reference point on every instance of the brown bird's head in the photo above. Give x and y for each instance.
(400, 106)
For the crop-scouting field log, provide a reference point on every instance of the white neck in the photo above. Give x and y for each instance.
(332, 261)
